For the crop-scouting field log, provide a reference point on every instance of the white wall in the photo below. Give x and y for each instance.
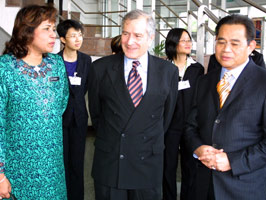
(7, 16)
(86, 6)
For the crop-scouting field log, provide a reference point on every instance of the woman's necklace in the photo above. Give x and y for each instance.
(34, 71)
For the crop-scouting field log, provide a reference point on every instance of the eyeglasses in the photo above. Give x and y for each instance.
(185, 41)
(75, 35)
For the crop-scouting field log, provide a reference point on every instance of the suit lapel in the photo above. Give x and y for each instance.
(71, 92)
(116, 74)
(80, 66)
(215, 79)
(151, 79)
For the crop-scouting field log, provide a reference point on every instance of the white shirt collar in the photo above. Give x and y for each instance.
(236, 71)
(143, 62)
(190, 61)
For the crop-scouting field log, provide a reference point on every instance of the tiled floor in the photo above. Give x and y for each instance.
(88, 181)
(89, 189)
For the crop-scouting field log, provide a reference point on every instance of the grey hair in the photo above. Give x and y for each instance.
(136, 14)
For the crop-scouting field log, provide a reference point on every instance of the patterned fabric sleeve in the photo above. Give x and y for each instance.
(3, 100)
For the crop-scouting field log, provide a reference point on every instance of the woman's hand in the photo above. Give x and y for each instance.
(5, 187)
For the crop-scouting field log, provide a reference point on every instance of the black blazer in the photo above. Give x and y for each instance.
(239, 128)
(76, 107)
(192, 74)
(130, 142)
(185, 98)
(256, 57)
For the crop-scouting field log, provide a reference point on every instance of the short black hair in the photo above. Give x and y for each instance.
(64, 26)
(238, 19)
(172, 40)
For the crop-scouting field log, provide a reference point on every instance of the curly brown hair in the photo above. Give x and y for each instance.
(27, 20)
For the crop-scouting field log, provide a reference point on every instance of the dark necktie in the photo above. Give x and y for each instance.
(134, 84)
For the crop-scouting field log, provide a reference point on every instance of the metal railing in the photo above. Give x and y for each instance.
(202, 27)
(104, 14)
(202, 24)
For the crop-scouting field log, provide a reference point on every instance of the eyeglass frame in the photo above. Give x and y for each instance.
(185, 41)
(74, 36)
(235, 44)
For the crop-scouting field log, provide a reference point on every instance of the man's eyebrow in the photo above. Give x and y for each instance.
(232, 40)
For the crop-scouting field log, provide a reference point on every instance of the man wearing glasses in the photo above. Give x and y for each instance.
(226, 128)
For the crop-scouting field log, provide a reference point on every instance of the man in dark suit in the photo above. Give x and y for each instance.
(228, 135)
(128, 159)
(75, 118)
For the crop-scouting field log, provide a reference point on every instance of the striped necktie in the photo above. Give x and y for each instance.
(223, 88)
(134, 84)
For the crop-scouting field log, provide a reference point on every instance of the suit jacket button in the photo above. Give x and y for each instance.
(142, 157)
(152, 116)
(123, 135)
(122, 156)
(217, 121)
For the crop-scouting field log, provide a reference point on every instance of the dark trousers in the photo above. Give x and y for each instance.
(171, 152)
(188, 173)
(74, 139)
(103, 192)
(211, 191)
(203, 184)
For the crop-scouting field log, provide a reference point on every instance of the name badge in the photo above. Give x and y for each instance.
(75, 80)
(53, 78)
(183, 85)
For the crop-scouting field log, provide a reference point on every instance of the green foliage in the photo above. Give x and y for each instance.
(159, 50)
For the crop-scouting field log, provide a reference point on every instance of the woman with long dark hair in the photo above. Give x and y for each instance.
(178, 47)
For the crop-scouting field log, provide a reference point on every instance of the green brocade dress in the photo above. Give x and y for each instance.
(32, 102)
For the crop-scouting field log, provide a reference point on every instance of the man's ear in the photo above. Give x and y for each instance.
(63, 40)
(151, 38)
(251, 46)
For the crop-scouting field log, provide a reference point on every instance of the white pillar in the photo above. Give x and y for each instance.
(249, 12)
(129, 5)
(153, 8)
(69, 10)
(189, 18)
(200, 35)
(139, 4)
(153, 15)
(109, 8)
(209, 37)
(223, 6)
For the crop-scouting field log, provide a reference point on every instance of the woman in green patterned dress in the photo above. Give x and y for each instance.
(33, 96)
